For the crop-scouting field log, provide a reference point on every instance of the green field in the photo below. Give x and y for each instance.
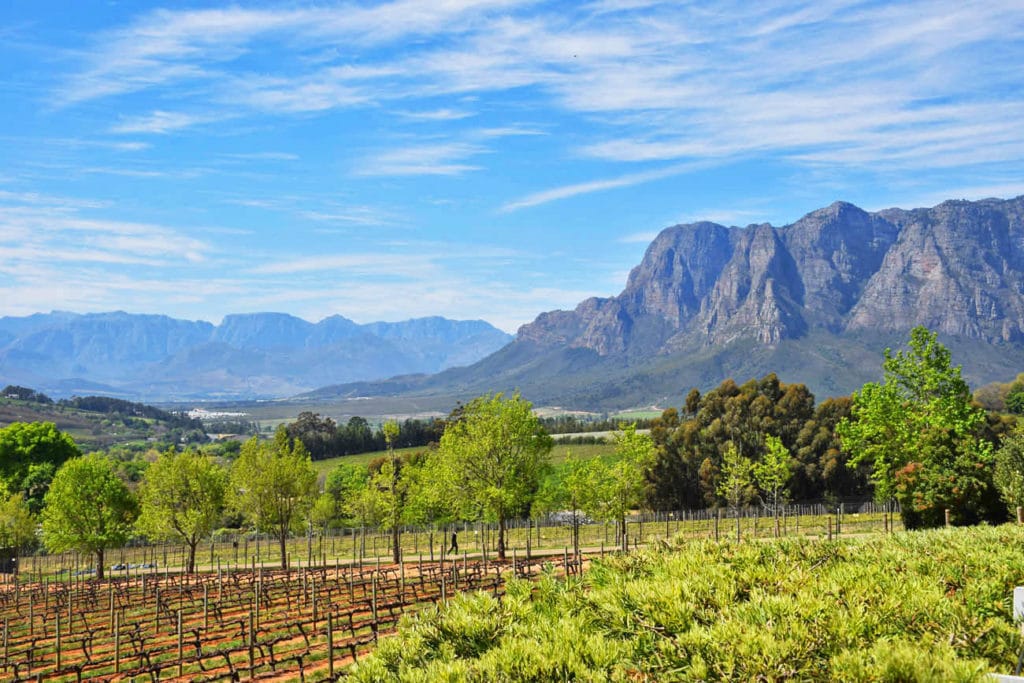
(558, 455)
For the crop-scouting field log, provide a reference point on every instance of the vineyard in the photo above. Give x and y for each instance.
(305, 624)
(238, 619)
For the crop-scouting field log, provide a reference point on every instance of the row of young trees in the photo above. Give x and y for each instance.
(489, 464)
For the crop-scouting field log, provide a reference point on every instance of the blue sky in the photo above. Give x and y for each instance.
(490, 159)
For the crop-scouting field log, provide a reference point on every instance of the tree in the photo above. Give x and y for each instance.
(17, 524)
(391, 489)
(182, 498)
(773, 472)
(569, 487)
(737, 476)
(274, 485)
(88, 508)
(492, 457)
(624, 481)
(30, 453)
(1009, 472)
(920, 434)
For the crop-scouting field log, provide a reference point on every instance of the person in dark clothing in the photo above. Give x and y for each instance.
(455, 544)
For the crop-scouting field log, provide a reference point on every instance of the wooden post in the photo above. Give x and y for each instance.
(252, 647)
(180, 648)
(330, 644)
(58, 638)
(156, 615)
(1020, 515)
(6, 651)
(948, 522)
(718, 516)
(117, 643)
(206, 606)
(830, 527)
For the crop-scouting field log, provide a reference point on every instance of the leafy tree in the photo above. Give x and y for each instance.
(324, 511)
(88, 508)
(392, 490)
(274, 485)
(182, 498)
(492, 458)
(30, 453)
(1015, 399)
(773, 472)
(17, 523)
(737, 477)
(569, 487)
(1009, 472)
(919, 433)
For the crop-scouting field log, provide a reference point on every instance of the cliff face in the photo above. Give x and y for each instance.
(957, 268)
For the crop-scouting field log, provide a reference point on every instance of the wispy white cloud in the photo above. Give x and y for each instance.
(576, 189)
(159, 122)
(431, 159)
(437, 114)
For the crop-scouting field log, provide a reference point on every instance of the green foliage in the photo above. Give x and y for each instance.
(1009, 472)
(1015, 399)
(773, 472)
(182, 499)
(17, 523)
(30, 453)
(88, 508)
(692, 441)
(920, 434)
(491, 459)
(737, 478)
(930, 606)
(274, 485)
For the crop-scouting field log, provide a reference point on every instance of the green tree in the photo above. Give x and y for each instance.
(736, 478)
(88, 508)
(773, 472)
(492, 457)
(634, 455)
(323, 512)
(1015, 399)
(1009, 471)
(569, 487)
(392, 490)
(182, 498)
(17, 523)
(919, 433)
(30, 453)
(274, 485)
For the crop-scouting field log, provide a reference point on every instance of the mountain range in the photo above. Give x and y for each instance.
(258, 355)
(815, 301)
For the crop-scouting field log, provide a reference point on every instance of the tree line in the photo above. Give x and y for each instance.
(915, 438)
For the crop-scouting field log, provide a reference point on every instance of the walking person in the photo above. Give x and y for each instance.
(455, 544)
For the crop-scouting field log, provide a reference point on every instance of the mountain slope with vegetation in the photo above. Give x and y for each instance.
(812, 301)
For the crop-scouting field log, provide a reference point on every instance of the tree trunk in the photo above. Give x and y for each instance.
(99, 563)
(501, 537)
(283, 539)
(622, 530)
(190, 568)
(396, 545)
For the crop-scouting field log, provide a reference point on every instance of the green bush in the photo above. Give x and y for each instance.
(917, 606)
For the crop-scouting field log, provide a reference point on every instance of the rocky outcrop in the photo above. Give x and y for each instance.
(957, 268)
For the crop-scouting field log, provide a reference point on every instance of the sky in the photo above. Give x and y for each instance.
(488, 159)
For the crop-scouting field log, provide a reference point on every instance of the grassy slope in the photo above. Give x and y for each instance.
(923, 606)
(558, 455)
(89, 430)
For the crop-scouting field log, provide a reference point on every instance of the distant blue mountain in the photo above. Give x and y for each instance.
(254, 355)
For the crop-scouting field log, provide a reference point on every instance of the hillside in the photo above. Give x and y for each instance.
(247, 356)
(101, 423)
(815, 301)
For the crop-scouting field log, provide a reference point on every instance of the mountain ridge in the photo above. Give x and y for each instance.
(819, 298)
(255, 355)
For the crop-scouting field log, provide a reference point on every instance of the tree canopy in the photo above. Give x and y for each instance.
(88, 509)
(920, 434)
(274, 485)
(182, 498)
(30, 453)
(491, 459)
